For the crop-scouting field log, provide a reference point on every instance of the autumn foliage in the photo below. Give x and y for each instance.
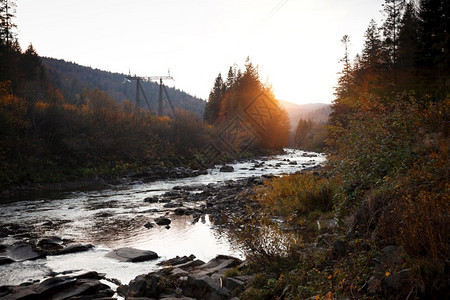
(44, 141)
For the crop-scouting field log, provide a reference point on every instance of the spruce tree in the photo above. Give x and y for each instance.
(7, 13)
(343, 89)
(408, 40)
(393, 10)
(433, 57)
(371, 53)
(216, 95)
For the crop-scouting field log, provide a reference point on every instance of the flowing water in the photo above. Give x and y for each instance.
(114, 218)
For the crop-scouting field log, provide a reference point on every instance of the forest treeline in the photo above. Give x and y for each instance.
(243, 95)
(386, 181)
(47, 134)
(61, 121)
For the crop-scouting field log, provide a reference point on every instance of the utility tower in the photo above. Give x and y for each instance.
(161, 88)
(139, 89)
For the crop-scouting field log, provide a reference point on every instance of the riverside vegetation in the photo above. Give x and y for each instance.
(372, 224)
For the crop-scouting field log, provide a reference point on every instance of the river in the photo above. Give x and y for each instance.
(115, 217)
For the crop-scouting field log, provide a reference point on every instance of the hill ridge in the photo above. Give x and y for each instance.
(72, 78)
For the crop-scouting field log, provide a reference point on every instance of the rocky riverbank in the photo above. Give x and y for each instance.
(153, 173)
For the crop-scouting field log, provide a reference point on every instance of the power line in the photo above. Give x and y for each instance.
(275, 10)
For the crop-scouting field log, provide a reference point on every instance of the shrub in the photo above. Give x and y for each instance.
(296, 194)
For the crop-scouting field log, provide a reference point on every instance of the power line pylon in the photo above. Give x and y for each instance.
(161, 88)
(139, 89)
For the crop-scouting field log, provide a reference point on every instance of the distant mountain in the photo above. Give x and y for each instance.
(317, 112)
(71, 79)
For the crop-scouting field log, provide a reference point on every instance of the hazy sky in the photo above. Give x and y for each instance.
(296, 43)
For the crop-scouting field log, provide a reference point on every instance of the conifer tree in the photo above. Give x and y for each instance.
(408, 40)
(231, 78)
(216, 95)
(432, 61)
(371, 53)
(7, 11)
(9, 49)
(344, 81)
(393, 10)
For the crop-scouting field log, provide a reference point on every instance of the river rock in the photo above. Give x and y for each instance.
(23, 251)
(162, 221)
(149, 225)
(232, 283)
(180, 281)
(191, 264)
(172, 205)
(173, 194)
(221, 262)
(50, 243)
(226, 168)
(48, 286)
(309, 155)
(142, 286)
(177, 260)
(74, 248)
(204, 287)
(179, 211)
(132, 255)
(4, 232)
(153, 199)
(62, 287)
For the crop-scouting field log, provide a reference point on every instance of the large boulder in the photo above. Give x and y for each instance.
(187, 278)
(142, 286)
(204, 287)
(219, 264)
(132, 255)
(84, 286)
(23, 251)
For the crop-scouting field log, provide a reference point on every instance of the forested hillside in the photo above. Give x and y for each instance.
(316, 112)
(58, 121)
(71, 79)
(308, 130)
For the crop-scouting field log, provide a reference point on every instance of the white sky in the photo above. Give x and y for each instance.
(296, 43)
